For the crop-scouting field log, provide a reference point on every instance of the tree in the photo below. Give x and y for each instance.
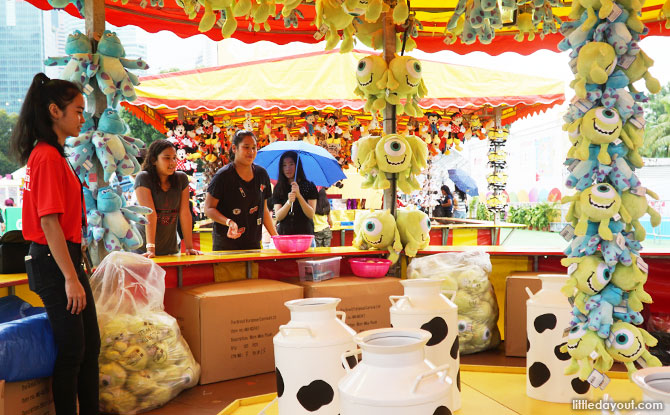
(140, 129)
(7, 123)
(657, 131)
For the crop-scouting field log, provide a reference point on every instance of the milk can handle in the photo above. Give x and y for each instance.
(422, 376)
(262, 412)
(398, 297)
(342, 315)
(452, 293)
(349, 353)
(529, 292)
(285, 329)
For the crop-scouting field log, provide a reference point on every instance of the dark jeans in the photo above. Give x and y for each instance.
(77, 335)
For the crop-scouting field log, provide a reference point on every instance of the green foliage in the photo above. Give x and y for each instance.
(537, 216)
(7, 123)
(480, 209)
(657, 131)
(140, 129)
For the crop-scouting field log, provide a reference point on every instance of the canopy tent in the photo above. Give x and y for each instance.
(282, 88)
(433, 15)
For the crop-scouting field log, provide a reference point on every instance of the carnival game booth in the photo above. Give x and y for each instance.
(422, 24)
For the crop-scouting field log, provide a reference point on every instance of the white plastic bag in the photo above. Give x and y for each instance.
(467, 273)
(144, 360)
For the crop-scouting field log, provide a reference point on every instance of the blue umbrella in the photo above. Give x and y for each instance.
(463, 181)
(319, 165)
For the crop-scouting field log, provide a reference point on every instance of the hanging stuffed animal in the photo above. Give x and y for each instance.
(476, 127)
(414, 229)
(355, 128)
(405, 81)
(372, 77)
(455, 132)
(331, 14)
(405, 155)
(119, 221)
(309, 129)
(333, 135)
(180, 133)
(79, 66)
(61, 4)
(113, 78)
(376, 229)
(598, 203)
(80, 149)
(432, 133)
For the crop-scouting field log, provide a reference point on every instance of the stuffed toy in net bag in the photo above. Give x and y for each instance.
(144, 360)
(467, 273)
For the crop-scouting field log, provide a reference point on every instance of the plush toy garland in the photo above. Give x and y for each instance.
(605, 123)
(497, 201)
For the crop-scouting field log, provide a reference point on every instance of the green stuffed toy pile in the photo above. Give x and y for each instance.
(606, 128)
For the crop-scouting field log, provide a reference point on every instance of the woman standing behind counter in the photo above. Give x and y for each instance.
(292, 186)
(237, 198)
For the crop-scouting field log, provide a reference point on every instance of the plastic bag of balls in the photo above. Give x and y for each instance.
(144, 360)
(466, 273)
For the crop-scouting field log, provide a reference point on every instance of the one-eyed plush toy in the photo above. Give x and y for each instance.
(598, 203)
(119, 221)
(377, 229)
(632, 279)
(627, 344)
(600, 126)
(405, 155)
(332, 14)
(582, 344)
(372, 76)
(596, 61)
(405, 81)
(637, 206)
(113, 77)
(589, 275)
(79, 66)
(365, 159)
(414, 229)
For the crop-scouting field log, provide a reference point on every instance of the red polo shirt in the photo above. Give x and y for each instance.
(51, 187)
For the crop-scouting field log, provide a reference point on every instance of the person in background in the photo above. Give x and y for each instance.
(163, 189)
(294, 197)
(237, 198)
(322, 222)
(446, 205)
(53, 215)
(9, 202)
(460, 203)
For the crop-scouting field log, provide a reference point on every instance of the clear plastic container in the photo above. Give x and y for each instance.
(319, 269)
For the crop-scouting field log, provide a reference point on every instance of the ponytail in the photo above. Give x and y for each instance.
(35, 123)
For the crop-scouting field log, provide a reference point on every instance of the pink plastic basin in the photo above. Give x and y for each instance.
(292, 243)
(369, 267)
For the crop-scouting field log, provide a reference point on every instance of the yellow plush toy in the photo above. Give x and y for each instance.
(405, 81)
(117, 401)
(524, 23)
(395, 153)
(134, 358)
(639, 69)
(598, 203)
(377, 229)
(595, 62)
(365, 160)
(112, 375)
(600, 126)
(372, 76)
(332, 14)
(414, 229)
(637, 206)
(665, 13)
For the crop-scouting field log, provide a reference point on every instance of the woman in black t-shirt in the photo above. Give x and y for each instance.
(294, 197)
(237, 198)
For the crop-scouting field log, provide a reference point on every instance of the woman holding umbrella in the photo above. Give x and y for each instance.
(294, 197)
(237, 198)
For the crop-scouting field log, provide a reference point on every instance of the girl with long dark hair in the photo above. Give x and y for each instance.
(237, 198)
(446, 205)
(53, 215)
(294, 197)
(163, 189)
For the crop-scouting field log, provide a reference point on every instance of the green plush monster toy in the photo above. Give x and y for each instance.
(639, 69)
(580, 345)
(600, 126)
(112, 375)
(595, 62)
(332, 14)
(135, 357)
(414, 228)
(377, 229)
(598, 203)
(590, 275)
(372, 76)
(637, 206)
(365, 159)
(405, 81)
(395, 154)
(142, 382)
(632, 279)
(117, 401)
(636, 137)
(627, 343)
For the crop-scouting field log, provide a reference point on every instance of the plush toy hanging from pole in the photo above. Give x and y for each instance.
(497, 201)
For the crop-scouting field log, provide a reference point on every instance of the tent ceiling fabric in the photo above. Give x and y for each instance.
(433, 15)
(324, 80)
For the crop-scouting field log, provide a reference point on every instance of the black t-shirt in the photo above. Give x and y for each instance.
(296, 223)
(242, 202)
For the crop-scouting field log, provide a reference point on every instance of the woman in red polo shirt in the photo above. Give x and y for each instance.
(52, 219)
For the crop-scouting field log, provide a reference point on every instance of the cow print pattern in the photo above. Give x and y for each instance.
(559, 354)
(458, 379)
(538, 374)
(315, 395)
(442, 410)
(280, 382)
(545, 322)
(438, 329)
(580, 386)
(527, 344)
(454, 349)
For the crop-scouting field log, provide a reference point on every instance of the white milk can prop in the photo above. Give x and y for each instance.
(423, 306)
(394, 377)
(655, 385)
(308, 354)
(548, 315)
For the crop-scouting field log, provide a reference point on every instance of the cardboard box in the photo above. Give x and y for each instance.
(29, 397)
(229, 326)
(365, 300)
(515, 310)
